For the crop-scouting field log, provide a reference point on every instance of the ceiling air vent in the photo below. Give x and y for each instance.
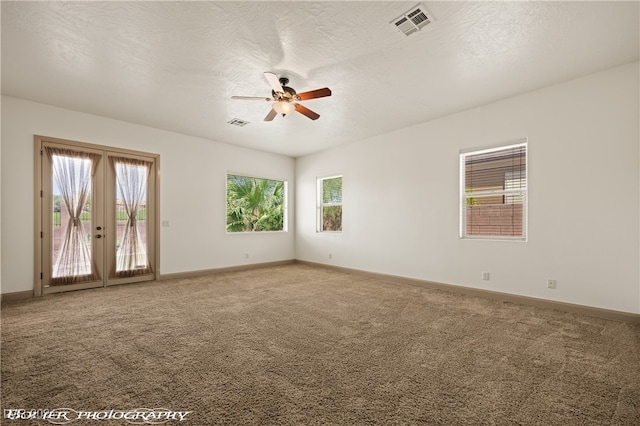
(238, 122)
(413, 20)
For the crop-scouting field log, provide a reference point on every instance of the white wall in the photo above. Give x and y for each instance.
(401, 196)
(192, 190)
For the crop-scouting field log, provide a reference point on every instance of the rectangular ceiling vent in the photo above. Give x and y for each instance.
(413, 20)
(238, 122)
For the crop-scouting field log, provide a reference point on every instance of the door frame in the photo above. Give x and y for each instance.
(38, 224)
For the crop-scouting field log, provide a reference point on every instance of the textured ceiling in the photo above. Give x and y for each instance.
(175, 65)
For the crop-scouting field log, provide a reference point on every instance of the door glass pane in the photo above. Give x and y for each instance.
(71, 216)
(131, 216)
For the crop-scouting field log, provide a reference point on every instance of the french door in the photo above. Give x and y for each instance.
(96, 210)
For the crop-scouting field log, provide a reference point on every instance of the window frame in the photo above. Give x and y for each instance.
(320, 205)
(285, 202)
(518, 192)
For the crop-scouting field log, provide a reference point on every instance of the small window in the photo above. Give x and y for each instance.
(493, 193)
(255, 204)
(330, 204)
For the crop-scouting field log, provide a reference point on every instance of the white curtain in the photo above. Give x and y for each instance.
(72, 174)
(132, 178)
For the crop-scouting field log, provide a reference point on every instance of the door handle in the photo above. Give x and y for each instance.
(98, 236)
(99, 228)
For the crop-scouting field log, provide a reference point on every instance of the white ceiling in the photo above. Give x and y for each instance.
(175, 65)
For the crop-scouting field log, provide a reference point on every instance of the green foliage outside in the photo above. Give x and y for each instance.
(254, 204)
(332, 190)
(332, 204)
(332, 218)
(471, 201)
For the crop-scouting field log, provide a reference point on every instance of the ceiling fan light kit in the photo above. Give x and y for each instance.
(285, 99)
(284, 107)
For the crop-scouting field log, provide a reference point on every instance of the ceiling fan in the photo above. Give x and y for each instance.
(286, 99)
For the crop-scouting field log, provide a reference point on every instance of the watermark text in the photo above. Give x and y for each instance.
(61, 416)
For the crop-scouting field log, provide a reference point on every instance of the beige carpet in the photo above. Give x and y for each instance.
(299, 345)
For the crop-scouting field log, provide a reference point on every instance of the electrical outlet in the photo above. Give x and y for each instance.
(165, 223)
(551, 283)
(246, 255)
(330, 256)
(485, 276)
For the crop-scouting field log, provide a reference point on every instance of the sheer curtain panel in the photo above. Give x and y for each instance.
(72, 176)
(132, 177)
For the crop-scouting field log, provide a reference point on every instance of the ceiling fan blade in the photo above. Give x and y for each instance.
(312, 94)
(274, 81)
(252, 98)
(272, 114)
(306, 111)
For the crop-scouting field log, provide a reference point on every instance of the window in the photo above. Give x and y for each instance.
(255, 204)
(330, 204)
(493, 193)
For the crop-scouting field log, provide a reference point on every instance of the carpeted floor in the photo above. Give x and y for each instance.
(302, 345)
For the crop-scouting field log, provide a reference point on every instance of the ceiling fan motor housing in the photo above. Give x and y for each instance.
(288, 93)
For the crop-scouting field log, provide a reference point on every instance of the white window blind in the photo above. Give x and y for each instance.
(493, 187)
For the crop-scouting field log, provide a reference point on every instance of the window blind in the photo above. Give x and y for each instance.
(494, 185)
(496, 170)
